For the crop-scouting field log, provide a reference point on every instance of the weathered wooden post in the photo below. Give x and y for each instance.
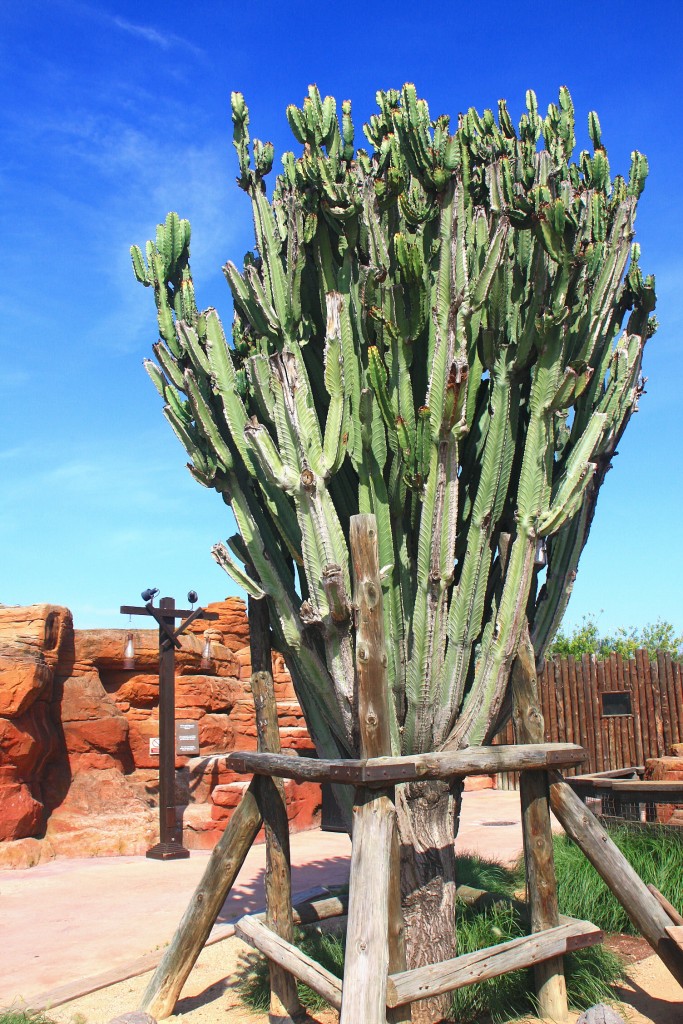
(374, 938)
(284, 1001)
(527, 717)
(647, 914)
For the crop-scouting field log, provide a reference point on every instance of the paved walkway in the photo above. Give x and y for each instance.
(75, 923)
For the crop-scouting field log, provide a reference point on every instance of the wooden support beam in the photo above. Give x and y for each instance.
(663, 902)
(291, 959)
(366, 963)
(490, 963)
(374, 934)
(385, 771)
(227, 857)
(527, 717)
(675, 932)
(642, 907)
(284, 1000)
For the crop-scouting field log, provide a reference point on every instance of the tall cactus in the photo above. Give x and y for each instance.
(445, 330)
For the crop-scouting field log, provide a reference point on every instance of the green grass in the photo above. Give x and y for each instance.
(589, 972)
(12, 1015)
(655, 853)
(328, 950)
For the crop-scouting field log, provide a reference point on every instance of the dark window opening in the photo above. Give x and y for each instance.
(618, 702)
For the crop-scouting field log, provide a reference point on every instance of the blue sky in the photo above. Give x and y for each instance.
(115, 113)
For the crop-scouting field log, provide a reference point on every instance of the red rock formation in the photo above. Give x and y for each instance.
(667, 769)
(76, 773)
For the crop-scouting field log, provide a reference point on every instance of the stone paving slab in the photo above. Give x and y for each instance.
(74, 920)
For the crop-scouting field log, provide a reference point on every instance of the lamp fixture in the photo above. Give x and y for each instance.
(541, 556)
(129, 653)
(205, 663)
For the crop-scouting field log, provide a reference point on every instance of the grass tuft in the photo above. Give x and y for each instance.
(655, 853)
(589, 972)
(15, 1015)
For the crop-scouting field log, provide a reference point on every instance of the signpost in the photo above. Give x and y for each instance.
(170, 845)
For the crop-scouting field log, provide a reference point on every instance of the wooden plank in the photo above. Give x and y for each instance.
(663, 902)
(284, 1001)
(654, 707)
(383, 771)
(374, 935)
(588, 731)
(559, 701)
(644, 786)
(664, 697)
(490, 963)
(576, 703)
(291, 959)
(227, 857)
(635, 704)
(675, 932)
(568, 702)
(366, 962)
(607, 752)
(551, 989)
(676, 710)
(548, 691)
(677, 673)
(597, 710)
(637, 900)
(642, 723)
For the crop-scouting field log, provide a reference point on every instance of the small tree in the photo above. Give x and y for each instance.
(587, 639)
(429, 330)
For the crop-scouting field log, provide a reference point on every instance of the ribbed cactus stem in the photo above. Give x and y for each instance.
(444, 330)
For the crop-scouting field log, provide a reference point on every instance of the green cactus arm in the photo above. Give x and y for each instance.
(467, 608)
(222, 556)
(206, 421)
(337, 422)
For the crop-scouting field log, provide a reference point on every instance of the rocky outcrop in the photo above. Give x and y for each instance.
(667, 769)
(77, 774)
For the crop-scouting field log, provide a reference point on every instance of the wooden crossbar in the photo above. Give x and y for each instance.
(383, 771)
(448, 975)
(675, 932)
(257, 934)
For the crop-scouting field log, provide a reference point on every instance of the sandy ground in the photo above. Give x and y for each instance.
(651, 995)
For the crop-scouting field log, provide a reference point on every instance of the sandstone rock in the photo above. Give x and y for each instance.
(25, 853)
(20, 814)
(141, 691)
(92, 723)
(669, 768)
(29, 740)
(476, 782)
(24, 677)
(232, 622)
(36, 628)
(101, 816)
(216, 734)
(208, 693)
(139, 734)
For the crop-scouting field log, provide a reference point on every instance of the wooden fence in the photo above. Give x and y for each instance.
(622, 711)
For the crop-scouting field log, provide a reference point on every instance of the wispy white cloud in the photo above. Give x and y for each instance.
(166, 40)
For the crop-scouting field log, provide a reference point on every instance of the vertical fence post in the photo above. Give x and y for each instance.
(534, 793)
(374, 940)
(284, 1001)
